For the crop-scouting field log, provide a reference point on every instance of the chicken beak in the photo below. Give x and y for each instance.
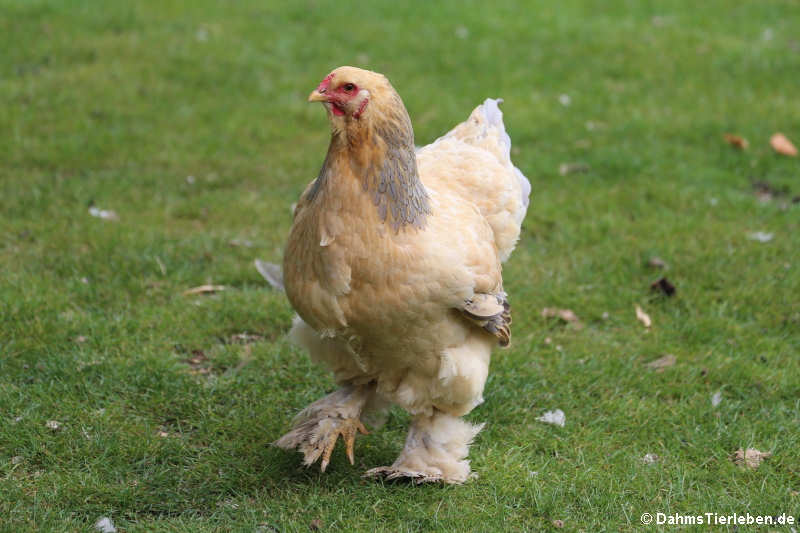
(317, 96)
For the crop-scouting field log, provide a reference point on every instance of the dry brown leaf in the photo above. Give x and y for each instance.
(198, 363)
(198, 357)
(750, 458)
(662, 362)
(656, 262)
(643, 317)
(245, 338)
(162, 434)
(781, 144)
(664, 286)
(204, 289)
(558, 523)
(736, 141)
(567, 315)
(315, 525)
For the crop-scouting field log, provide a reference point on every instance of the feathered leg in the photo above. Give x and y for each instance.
(436, 450)
(318, 426)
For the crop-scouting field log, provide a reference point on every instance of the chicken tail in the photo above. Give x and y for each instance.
(485, 129)
(478, 152)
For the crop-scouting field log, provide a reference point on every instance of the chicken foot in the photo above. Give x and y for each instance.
(318, 426)
(436, 449)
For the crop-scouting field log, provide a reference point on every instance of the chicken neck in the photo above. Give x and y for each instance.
(379, 153)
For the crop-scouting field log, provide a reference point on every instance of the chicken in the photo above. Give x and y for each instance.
(393, 265)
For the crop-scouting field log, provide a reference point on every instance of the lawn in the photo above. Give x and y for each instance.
(189, 121)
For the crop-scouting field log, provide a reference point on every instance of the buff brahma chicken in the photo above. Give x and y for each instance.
(393, 265)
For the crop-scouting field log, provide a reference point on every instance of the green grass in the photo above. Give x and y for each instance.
(117, 103)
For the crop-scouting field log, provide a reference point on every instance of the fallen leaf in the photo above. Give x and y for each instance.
(315, 525)
(663, 362)
(664, 286)
(650, 459)
(572, 168)
(198, 356)
(766, 191)
(567, 315)
(105, 525)
(55, 425)
(197, 363)
(760, 236)
(81, 339)
(736, 141)
(553, 417)
(204, 289)
(558, 523)
(245, 338)
(271, 272)
(716, 399)
(103, 213)
(162, 434)
(656, 262)
(17, 459)
(750, 458)
(643, 317)
(781, 144)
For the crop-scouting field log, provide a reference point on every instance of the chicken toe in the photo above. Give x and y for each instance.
(436, 450)
(390, 473)
(319, 426)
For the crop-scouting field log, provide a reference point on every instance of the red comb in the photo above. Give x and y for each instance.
(323, 85)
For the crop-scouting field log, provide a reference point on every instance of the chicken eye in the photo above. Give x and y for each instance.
(349, 87)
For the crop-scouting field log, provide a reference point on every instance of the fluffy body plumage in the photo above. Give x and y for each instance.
(393, 265)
